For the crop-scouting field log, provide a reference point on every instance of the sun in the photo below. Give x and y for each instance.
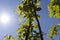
(4, 18)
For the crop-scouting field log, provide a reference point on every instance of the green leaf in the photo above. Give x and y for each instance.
(51, 15)
(20, 18)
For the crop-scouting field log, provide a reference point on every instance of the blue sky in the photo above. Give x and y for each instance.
(9, 6)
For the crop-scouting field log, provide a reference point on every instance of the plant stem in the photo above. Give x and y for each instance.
(27, 33)
(40, 31)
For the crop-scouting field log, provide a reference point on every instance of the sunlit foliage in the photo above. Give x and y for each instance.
(54, 8)
(54, 11)
(8, 37)
(27, 10)
(54, 31)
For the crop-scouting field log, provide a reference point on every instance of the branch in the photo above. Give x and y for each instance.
(28, 29)
(40, 31)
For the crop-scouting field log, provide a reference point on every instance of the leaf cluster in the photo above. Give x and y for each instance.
(8, 37)
(53, 31)
(54, 8)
